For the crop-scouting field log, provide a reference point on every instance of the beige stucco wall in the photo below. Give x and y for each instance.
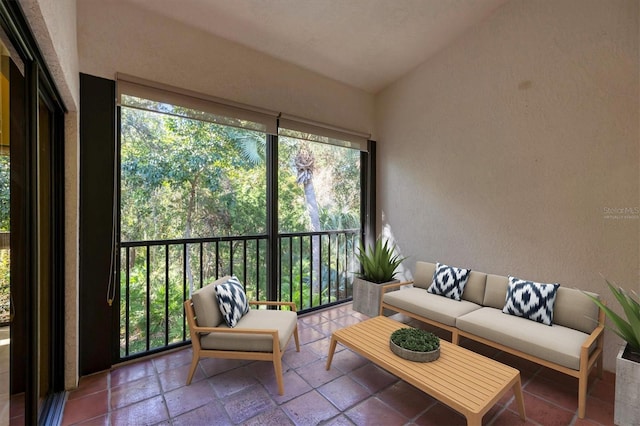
(113, 37)
(53, 23)
(516, 149)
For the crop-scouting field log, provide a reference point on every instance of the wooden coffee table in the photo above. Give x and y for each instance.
(464, 380)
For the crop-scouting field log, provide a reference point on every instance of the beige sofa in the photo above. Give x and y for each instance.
(572, 345)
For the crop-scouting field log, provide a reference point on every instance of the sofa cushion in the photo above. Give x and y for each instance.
(424, 274)
(496, 291)
(449, 281)
(530, 300)
(574, 309)
(205, 304)
(232, 300)
(261, 319)
(475, 288)
(558, 344)
(430, 306)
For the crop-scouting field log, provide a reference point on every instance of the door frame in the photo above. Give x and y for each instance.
(38, 85)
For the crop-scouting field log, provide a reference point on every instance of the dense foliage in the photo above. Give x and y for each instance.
(184, 178)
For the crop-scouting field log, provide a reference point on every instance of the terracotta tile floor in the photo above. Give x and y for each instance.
(353, 392)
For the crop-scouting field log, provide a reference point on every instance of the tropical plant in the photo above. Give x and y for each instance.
(378, 262)
(629, 329)
(414, 339)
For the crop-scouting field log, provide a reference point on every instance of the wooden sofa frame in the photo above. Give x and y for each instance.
(587, 362)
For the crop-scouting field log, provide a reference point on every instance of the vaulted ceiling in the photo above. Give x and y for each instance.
(366, 44)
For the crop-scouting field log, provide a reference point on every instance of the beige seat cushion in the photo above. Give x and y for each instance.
(431, 306)
(206, 306)
(557, 344)
(283, 321)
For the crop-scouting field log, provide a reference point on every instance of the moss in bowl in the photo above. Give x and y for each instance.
(415, 344)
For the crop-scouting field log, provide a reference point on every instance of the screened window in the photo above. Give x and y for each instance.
(184, 177)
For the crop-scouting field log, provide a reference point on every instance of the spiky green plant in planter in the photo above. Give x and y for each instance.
(629, 329)
(379, 266)
(378, 262)
(626, 408)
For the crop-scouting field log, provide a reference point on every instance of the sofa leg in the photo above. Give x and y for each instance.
(455, 337)
(599, 367)
(582, 396)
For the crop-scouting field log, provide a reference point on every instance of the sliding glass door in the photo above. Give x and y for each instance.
(31, 216)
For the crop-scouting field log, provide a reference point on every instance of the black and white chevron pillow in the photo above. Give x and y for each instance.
(531, 300)
(232, 301)
(449, 281)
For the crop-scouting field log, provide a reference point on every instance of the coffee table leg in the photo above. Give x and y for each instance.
(517, 390)
(332, 349)
(474, 421)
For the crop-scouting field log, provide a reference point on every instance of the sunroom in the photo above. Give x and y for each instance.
(266, 140)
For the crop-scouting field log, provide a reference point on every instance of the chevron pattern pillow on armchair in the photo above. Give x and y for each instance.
(232, 301)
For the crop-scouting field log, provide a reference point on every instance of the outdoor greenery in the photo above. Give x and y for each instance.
(185, 178)
(378, 262)
(416, 340)
(5, 254)
(629, 329)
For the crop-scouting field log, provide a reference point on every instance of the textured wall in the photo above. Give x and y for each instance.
(53, 23)
(515, 150)
(113, 37)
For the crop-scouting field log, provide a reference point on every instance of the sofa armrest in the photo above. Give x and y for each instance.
(595, 334)
(387, 287)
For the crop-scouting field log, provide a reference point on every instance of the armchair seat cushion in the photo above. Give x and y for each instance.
(438, 308)
(262, 319)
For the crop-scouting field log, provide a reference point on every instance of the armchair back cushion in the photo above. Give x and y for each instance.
(205, 304)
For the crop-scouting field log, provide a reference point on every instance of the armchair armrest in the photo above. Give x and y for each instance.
(291, 305)
(198, 329)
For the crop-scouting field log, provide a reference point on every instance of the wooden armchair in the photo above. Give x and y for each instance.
(261, 334)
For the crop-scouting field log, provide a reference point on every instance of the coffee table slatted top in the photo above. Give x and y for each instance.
(464, 380)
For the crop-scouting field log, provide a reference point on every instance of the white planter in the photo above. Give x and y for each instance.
(627, 402)
(366, 296)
